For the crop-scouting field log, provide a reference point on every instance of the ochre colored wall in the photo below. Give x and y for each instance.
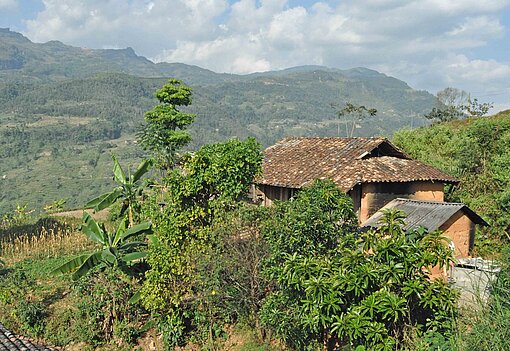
(461, 230)
(375, 195)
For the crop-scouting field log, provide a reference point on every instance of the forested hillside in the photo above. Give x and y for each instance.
(477, 151)
(64, 109)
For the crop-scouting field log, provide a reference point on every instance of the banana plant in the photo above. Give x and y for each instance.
(129, 188)
(116, 249)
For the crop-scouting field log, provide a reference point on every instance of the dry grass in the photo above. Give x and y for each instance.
(47, 243)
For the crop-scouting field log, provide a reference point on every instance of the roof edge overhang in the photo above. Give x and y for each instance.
(433, 180)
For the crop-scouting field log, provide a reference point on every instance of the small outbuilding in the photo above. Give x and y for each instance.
(455, 220)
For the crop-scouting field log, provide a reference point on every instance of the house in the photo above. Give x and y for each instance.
(374, 172)
(371, 170)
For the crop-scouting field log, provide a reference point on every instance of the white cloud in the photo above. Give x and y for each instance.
(6, 5)
(148, 26)
(429, 43)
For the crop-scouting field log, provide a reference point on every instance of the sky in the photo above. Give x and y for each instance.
(430, 44)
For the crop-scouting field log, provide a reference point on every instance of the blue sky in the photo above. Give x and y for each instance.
(430, 44)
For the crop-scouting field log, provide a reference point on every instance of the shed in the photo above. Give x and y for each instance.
(456, 220)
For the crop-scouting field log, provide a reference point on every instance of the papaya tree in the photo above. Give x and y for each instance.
(129, 189)
(116, 248)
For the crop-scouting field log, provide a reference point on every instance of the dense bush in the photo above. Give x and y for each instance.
(343, 289)
(477, 152)
(210, 182)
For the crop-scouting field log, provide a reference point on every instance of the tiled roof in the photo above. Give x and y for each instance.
(428, 214)
(296, 162)
(12, 342)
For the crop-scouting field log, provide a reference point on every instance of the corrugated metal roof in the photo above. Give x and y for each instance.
(428, 214)
(12, 342)
(297, 162)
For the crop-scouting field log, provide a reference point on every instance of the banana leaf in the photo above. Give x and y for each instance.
(91, 261)
(143, 168)
(93, 231)
(134, 256)
(118, 173)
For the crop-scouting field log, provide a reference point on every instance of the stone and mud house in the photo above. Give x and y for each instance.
(376, 175)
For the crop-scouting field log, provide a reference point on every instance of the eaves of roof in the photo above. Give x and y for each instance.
(12, 342)
(297, 162)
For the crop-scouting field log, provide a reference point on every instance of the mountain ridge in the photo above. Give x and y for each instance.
(64, 109)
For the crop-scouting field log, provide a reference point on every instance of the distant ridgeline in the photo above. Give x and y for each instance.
(64, 109)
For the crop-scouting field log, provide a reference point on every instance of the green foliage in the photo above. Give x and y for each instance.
(477, 152)
(55, 206)
(312, 223)
(444, 114)
(229, 275)
(489, 327)
(208, 183)
(164, 133)
(129, 189)
(20, 216)
(31, 316)
(103, 312)
(340, 288)
(116, 248)
(457, 104)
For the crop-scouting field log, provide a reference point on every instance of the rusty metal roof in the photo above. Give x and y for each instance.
(297, 162)
(429, 214)
(12, 342)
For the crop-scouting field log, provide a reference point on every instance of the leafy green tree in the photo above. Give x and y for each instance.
(210, 181)
(164, 133)
(340, 288)
(116, 248)
(356, 114)
(456, 104)
(445, 114)
(129, 189)
(474, 108)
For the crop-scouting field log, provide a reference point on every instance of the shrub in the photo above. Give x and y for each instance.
(343, 289)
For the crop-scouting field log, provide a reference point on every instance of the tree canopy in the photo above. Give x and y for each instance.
(165, 130)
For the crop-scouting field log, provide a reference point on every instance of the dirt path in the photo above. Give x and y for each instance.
(101, 215)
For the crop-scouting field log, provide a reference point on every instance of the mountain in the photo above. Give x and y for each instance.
(64, 109)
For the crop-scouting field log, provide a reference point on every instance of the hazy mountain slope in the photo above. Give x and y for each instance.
(63, 109)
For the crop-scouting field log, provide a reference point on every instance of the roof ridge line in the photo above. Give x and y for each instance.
(430, 201)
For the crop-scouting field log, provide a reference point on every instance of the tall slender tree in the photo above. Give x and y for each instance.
(356, 114)
(165, 130)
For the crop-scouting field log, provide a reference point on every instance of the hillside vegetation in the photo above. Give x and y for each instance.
(64, 109)
(190, 266)
(477, 151)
